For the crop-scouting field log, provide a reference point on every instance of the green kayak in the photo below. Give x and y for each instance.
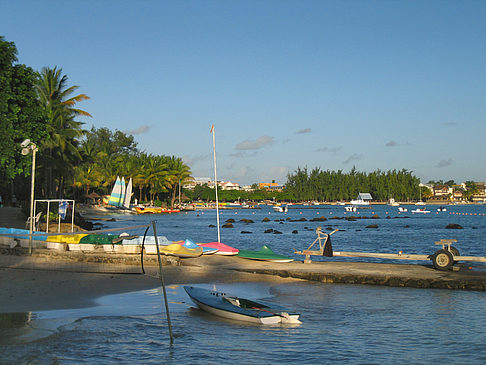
(264, 254)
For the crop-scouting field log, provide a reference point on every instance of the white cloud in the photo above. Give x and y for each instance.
(304, 131)
(192, 160)
(260, 142)
(353, 157)
(444, 163)
(327, 149)
(140, 130)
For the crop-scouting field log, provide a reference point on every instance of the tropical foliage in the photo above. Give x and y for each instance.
(339, 186)
(21, 117)
(71, 162)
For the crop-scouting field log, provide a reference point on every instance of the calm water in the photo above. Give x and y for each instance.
(348, 323)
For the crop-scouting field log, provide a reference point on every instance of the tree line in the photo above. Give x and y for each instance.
(327, 185)
(71, 162)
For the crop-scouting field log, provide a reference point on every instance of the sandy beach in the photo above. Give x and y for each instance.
(37, 288)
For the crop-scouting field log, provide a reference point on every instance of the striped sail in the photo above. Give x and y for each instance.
(122, 196)
(116, 193)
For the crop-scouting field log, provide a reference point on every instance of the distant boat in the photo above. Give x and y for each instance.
(441, 209)
(420, 210)
(393, 203)
(350, 208)
(281, 208)
(402, 209)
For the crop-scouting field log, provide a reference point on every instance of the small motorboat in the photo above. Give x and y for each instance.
(281, 208)
(264, 254)
(241, 309)
(421, 210)
(402, 209)
(350, 208)
(441, 209)
(221, 247)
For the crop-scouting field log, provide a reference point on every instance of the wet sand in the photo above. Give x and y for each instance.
(38, 288)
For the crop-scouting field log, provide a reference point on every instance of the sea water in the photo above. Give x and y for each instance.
(355, 324)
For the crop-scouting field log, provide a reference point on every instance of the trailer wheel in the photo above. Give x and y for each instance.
(455, 252)
(443, 260)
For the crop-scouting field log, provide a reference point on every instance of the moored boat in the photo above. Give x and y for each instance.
(192, 245)
(241, 309)
(155, 210)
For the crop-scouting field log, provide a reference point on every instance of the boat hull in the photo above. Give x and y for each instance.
(224, 306)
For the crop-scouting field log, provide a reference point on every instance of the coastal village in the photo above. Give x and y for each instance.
(247, 182)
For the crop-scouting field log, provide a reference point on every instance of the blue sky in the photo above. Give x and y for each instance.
(287, 84)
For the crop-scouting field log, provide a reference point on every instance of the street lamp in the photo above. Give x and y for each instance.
(27, 147)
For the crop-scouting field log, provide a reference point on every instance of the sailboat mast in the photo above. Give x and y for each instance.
(216, 182)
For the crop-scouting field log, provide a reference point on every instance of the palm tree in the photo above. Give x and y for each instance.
(179, 173)
(60, 148)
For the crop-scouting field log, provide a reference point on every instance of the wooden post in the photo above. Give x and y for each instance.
(163, 284)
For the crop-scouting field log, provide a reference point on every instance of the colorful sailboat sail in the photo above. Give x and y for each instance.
(116, 193)
(122, 196)
(128, 194)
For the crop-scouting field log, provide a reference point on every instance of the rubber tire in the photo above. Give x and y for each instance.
(455, 252)
(443, 260)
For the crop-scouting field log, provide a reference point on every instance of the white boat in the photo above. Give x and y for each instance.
(393, 203)
(281, 208)
(441, 209)
(402, 209)
(421, 210)
(420, 202)
(240, 309)
(350, 208)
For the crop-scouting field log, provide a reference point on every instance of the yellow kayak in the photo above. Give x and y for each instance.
(175, 249)
(68, 238)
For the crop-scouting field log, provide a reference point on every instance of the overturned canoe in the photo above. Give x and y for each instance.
(264, 254)
(177, 250)
(221, 247)
(190, 244)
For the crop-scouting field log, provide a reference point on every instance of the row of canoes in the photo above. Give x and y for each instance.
(133, 244)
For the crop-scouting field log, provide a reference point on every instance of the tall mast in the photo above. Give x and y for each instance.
(216, 182)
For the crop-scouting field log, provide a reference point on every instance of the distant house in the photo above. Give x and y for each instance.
(228, 185)
(481, 195)
(442, 190)
(362, 199)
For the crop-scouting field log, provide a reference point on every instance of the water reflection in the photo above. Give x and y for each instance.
(14, 325)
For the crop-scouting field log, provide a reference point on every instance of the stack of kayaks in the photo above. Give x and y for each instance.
(264, 254)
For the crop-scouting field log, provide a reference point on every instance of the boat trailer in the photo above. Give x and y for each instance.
(442, 259)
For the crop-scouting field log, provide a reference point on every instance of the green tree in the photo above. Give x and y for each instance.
(60, 149)
(21, 117)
